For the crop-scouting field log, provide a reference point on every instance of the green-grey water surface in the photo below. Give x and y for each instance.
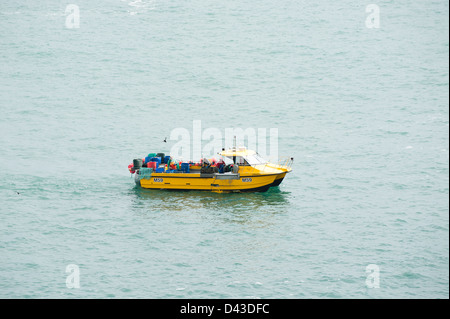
(364, 112)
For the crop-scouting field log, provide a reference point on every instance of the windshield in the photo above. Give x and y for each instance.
(246, 160)
(239, 160)
(255, 159)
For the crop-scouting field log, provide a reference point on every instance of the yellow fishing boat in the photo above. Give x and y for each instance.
(238, 170)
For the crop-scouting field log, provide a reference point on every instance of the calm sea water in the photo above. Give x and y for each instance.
(364, 112)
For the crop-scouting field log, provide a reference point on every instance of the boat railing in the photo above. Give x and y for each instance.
(262, 170)
(258, 169)
(286, 162)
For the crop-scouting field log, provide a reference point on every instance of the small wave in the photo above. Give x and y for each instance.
(141, 6)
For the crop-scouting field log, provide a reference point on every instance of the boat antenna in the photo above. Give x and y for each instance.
(234, 149)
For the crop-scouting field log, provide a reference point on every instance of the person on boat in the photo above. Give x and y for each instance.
(220, 165)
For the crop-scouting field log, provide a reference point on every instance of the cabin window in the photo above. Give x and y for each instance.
(255, 160)
(248, 160)
(240, 160)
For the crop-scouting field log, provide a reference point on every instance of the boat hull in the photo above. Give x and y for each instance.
(173, 181)
(278, 180)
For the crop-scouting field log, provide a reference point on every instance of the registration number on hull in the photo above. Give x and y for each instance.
(247, 180)
(158, 180)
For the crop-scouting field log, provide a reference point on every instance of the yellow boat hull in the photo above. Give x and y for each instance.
(189, 181)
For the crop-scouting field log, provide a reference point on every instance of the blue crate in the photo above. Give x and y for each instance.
(185, 167)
